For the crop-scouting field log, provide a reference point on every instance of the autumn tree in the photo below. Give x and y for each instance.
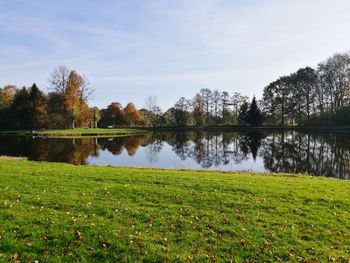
(72, 98)
(7, 94)
(37, 108)
(132, 115)
(112, 116)
(76, 91)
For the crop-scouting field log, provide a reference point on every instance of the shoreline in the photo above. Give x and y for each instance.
(101, 132)
(79, 132)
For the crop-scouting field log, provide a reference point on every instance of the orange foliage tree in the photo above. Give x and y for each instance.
(76, 91)
(37, 108)
(132, 115)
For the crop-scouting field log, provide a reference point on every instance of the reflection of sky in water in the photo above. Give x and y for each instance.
(167, 158)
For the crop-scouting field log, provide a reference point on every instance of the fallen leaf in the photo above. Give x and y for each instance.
(244, 242)
(242, 218)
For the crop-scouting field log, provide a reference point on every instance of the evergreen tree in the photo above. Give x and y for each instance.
(254, 116)
(20, 110)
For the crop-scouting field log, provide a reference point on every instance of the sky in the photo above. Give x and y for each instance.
(132, 49)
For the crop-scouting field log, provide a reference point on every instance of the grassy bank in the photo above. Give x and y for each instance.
(78, 132)
(59, 212)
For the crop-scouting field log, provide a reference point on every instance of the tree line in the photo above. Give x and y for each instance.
(64, 107)
(309, 96)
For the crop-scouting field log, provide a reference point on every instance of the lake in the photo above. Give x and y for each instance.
(321, 154)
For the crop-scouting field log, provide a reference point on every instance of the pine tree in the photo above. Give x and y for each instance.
(254, 116)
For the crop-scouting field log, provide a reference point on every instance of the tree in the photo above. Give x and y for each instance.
(334, 77)
(76, 91)
(198, 109)
(253, 116)
(206, 95)
(303, 85)
(59, 79)
(96, 116)
(181, 112)
(170, 117)
(237, 100)
(37, 108)
(112, 116)
(158, 117)
(72, 96)
(132, 115)
(225, 102)
(278, 99)
(216, 103)
(7, 94)
(243, 113)
(152, 113)
(20, 110)
(56, 111)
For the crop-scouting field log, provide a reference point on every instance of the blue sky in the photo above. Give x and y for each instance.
(132, 49)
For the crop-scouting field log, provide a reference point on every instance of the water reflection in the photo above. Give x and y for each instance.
(319, 154)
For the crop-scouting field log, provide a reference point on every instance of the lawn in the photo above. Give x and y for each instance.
(76, 132)
(58, 212)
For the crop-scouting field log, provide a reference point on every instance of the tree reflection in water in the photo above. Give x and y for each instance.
(326, 154)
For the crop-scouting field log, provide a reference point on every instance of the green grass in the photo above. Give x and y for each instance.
(58, 212)
(76, 132)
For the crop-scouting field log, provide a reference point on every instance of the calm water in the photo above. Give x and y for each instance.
(322, 154)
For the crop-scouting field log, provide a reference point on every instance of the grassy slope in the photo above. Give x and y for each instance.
(58, 212)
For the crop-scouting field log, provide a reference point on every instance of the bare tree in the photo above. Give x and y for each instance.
(237, 101)
(86, 90)
(198, 109)
(151, 103)
(216, 102)
(154, 111)
(59, 81)
(225, 103)
(59, 78)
